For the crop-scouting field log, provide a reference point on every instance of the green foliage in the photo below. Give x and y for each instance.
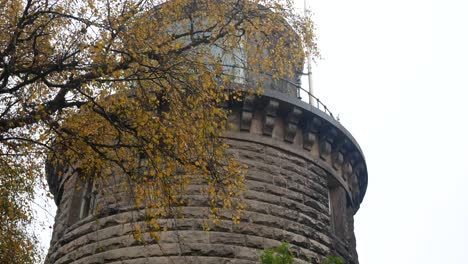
(283, 255)
(333, 260)
(277, 255)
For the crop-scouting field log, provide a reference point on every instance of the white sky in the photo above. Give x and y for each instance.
(396, 73)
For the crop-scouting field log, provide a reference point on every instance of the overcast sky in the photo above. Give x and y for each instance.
(397, 74)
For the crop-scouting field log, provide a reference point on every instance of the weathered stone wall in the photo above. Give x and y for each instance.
(304, 184)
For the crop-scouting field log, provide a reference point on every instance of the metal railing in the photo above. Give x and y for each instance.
(316, 102)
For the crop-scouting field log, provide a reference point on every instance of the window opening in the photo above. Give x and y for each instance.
(330, 211)
(83, 199)
(87, 199)
(232, 62)
(337, 210)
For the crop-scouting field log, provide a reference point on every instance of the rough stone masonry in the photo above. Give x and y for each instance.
(306, 179)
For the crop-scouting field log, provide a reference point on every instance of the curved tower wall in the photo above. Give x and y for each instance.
(305, 181)
(306, 178)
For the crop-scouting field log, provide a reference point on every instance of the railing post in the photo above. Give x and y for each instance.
(309, 63)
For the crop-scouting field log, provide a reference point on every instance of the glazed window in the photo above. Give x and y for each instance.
(83, 199)
(232, 59)
(233, 62)
(87, 199)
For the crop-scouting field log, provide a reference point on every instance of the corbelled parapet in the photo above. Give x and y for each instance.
(307, 163)
(305, 130)
(305, 181)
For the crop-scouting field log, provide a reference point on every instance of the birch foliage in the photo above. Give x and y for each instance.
(132, 88)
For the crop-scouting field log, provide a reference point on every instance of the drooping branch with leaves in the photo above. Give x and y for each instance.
(101, 86)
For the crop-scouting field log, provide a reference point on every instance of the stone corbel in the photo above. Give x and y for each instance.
(353, 157)
(338, 160)
(347, 170)
(309, 140)
(291, 125)
(359, 170)
(340, 151)
(247, 113)
(310, 133)
(325, 149)
(270, 116)
(354, 187)
(327, 142)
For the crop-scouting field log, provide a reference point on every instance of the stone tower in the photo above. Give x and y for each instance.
(306, 179)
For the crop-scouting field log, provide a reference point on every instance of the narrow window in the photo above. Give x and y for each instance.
(87, 199)
(82, 202)
(337, 210)
(330, 211)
